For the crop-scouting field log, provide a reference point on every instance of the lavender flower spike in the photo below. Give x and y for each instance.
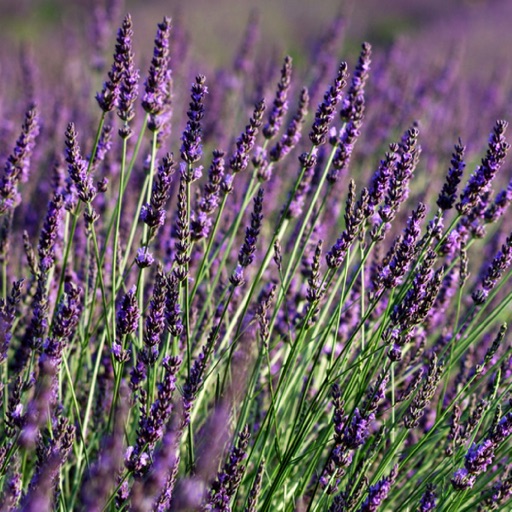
(407, 159)
(172, 306)
(246, 254)
(280, 105)
(109, 97)
(128, 315)
(191, 149)
(480, 181)
(77, 167)
(17, 164)
(379, 492)
(352, 113)
(349, 110)
(326, 109)
(49, 233)
(428, 500)
(424, 395)
(128, 88)
(494, 272)
(448, 194)
(245, 142)
(228, 480)
(501, 202)
(182, 232)
(208, 201)
(293, 133)
(153, 214)
(152, 423)
(155, 319)
(157, 82)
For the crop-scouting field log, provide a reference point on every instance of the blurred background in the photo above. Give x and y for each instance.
(480, 27)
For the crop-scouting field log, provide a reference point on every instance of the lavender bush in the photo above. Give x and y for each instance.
(248, 289)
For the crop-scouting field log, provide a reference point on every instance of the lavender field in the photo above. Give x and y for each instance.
(255, 259)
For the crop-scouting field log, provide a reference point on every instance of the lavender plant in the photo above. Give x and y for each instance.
(305, 313)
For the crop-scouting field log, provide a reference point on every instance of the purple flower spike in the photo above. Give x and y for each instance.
(479, 457)
(462, 480)
(503, 429)
(128, 89)
(346, 141)
(448, 194)
(393, 274)
(182, 232)
(357, 432)
(255, 491)
(157, 82)
(228, 480)
(341, 456)
(349, 109)
(153, 214)
(327, 109)
(155, 319)
(8, 311)
(379, 492)
(191, 149)
(144, 258)
(208, 202)
(498, 208)
(108, 98)
(18, 162)
(245, 142)
(428, 500)
(494, 272)
(128, 315)
(398, 191)
(424, 395)
(172, 306)
(246, 254)
(355, 215)
(77, 167)
(293, 133)
(49, 233)
(151, 424)
(381, 178)
(280, 105)
(66, 320)
(480, 181)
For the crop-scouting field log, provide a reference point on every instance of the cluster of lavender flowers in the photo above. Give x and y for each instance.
(236, 290)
